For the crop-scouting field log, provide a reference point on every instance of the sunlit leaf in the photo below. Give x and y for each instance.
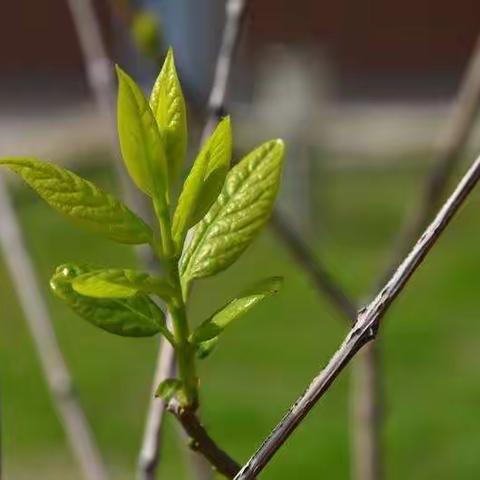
(168, 388)
(168, 106)
(131, 317)
(140, 140)
(237, 307)
(120, 283)
(238, 214)
(204, 182)
(81, 201)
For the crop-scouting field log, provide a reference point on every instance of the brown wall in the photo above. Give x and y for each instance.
(38, 35)
(418, 35)
(361, 35)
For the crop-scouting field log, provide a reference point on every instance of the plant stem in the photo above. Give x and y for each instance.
(181, 331)
(185, 355)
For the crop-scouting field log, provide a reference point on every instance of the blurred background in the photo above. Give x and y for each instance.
(360, 92)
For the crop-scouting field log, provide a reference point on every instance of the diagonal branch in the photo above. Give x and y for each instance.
(366, 402)
(310, 265)
(364, 330)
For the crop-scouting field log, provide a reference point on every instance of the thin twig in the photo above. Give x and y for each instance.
(364, 330)
(202, 442)
(65, 400)
(451, 142)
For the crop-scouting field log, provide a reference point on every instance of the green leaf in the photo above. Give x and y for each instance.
(205, 181)
(140, 140)
(204, 349)
(168, 388)
(120, 283)
(81, 201)
(240, 211)
(132, 317)
(168, 106)
(241, 304)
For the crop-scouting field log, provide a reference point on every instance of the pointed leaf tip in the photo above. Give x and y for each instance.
(204, 182)
(168, 105)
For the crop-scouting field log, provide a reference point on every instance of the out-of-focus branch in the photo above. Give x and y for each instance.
(235, 13)
(150, 452)
(307, 261)
(365, 328)
(366, 414)
(450, 145)
(70, 413)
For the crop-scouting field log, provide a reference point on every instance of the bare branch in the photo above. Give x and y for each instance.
(365, 328)
(450, 145)
(202, 442)
(366, 404)
(71, 415)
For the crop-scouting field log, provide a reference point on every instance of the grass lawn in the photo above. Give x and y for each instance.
(430, 342)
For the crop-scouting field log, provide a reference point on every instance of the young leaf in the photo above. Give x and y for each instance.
(205, 181)
(168, 106)
(81, 201)
(132, 317)
(140, 140)
(120, 283)
(240, 211)
(168, 388)
(242, 303)
(204, 349)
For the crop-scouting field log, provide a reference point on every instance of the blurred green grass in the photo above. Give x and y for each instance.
(430, 344)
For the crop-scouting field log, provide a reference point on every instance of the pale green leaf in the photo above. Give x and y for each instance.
(140, 140)
(81, 201)
(241, 304)
(238, 214)
(131, 317)
(120, 283)
(168, 388)
(204, 182)
(168, 106)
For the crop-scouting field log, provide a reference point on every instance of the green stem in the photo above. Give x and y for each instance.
(185, 356)
(184, 348)
(166, 241)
